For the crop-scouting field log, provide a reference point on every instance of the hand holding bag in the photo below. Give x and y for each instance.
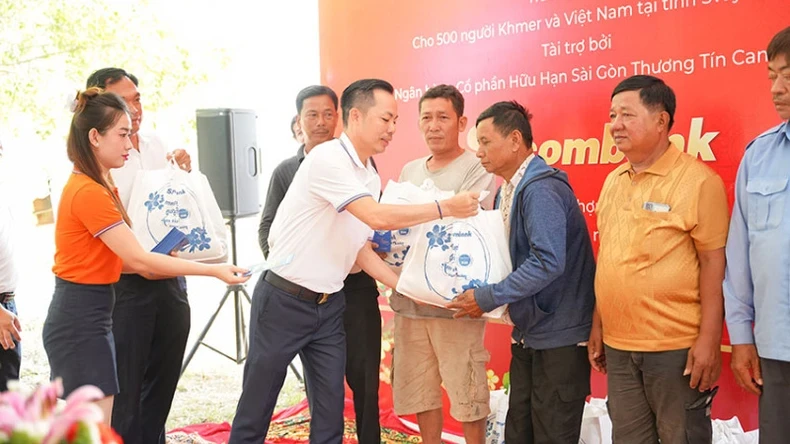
(452, 255)
(172, 198)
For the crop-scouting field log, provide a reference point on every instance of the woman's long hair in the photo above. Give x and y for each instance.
(100, 110)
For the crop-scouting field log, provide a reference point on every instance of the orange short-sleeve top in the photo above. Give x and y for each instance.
(85, 212)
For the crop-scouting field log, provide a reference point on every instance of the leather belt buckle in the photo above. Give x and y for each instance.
(322, 298)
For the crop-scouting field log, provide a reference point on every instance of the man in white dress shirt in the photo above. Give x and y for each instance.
(151, 319)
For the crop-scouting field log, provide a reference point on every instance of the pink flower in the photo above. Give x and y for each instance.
(9, 417)
(79, 408)
(41, 404)
(14, 400)
(37, 416)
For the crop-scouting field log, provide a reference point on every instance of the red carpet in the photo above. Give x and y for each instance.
(292, 426)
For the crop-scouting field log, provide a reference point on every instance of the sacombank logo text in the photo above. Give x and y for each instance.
(601, 151)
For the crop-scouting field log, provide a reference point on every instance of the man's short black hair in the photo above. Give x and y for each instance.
(448, 92)
(314, 91)
(509, 116)
(108, 76)
(780, 45)
(359, 95)
(653, 93)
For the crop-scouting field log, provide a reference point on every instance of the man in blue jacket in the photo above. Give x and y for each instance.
(550, 290)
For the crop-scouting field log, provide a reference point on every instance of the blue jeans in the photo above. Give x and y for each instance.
(10, 359)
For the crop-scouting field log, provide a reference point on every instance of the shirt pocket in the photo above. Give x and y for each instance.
(655, 233)
(766, 203)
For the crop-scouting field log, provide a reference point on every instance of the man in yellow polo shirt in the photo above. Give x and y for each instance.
(662, 219)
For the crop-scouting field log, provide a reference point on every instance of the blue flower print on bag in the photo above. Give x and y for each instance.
(474, 283)
(197, 239)
(398, 247)
(170, 207)
(438, 237)
(399, 257)
(155, 201)
(456, 259)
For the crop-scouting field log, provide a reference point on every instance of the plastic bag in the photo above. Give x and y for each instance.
(596, 425)
(171, 198)
(450, 256)
(495, 424)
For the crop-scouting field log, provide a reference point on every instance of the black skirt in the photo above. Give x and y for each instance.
(78, 336)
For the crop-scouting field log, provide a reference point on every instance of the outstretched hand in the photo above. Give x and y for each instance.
(231, 274)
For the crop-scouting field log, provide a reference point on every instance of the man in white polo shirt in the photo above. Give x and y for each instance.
(318, 236)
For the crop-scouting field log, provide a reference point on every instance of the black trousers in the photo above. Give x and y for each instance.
(151, 321)
(11, 359)
(547, 393)
(774, 401)
(282, 325)
(362, 322)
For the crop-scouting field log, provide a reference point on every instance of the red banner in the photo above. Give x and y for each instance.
(562, 59)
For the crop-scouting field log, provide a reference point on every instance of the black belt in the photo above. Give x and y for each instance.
(295, 289)
(6, 297)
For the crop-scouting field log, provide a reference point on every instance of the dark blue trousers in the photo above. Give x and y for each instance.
(151, 321)
(282, 325)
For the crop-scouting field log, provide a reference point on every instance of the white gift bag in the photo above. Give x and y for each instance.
(596, 425)
(170, 197)
(730, 431)
(495, 424)
(451, 255)
(406, 193)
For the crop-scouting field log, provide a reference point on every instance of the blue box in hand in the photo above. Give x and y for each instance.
(383, 238)
(174, 240)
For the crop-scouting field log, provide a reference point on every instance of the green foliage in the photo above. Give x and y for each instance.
(506, 382)
(49, 47)
(19, 437)
(82, 435)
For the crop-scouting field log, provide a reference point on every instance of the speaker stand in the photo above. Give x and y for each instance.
(238, 313)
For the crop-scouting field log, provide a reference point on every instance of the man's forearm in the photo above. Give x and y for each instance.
(372, 264)
(711, 277)
(274, 198)
(393, 217)
(263, 235)
(738, 286)
(597, 322)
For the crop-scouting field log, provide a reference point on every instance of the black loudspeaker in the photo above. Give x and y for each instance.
(229, 157)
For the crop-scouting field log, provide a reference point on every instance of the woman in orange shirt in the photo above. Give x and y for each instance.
(93, 245)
